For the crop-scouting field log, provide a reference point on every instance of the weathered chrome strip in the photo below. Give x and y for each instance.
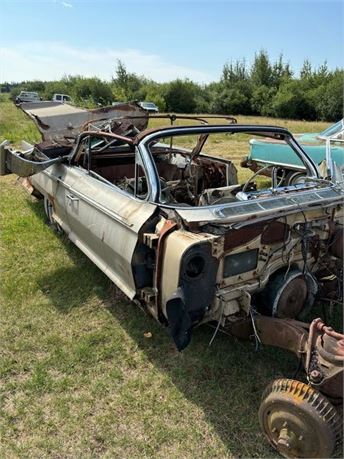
(105, 210)
(278, 163)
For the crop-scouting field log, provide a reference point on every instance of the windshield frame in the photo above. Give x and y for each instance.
(332, 131)
(263, 131)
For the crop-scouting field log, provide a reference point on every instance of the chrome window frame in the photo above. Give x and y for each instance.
(264, 131)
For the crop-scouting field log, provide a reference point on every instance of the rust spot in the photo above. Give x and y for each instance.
(52, 200)
(26, 183)
(235, 238)
(271, 233)
(275, 232)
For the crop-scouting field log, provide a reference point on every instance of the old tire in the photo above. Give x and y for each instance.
(48, 209)
(298, 420)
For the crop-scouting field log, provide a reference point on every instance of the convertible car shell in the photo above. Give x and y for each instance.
(175, 231)
(152, 249)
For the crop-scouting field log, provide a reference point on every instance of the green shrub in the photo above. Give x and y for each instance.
(266, 88)
(180, 96)
(291, 102)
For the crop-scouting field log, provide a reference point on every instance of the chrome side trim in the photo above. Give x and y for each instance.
(277, 163)
(110, 213)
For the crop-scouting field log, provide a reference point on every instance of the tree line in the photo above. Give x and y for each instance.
(265, 88)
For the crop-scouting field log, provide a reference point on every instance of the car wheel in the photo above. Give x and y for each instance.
(295, 178)
(288, 294)
(298, 420)
(49, 210)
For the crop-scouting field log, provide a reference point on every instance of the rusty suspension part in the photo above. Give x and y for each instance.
(319, 346)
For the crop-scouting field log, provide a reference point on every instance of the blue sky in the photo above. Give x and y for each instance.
(163, 39)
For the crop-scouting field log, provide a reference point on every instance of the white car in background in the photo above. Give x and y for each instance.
(149, 106)
(27, 96)
(63, 98)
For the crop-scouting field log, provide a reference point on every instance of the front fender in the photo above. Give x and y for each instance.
(188, 282)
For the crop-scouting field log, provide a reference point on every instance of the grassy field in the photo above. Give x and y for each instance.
(78, 377)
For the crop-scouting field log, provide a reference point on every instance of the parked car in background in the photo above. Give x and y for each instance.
(150, 107)
(63, 98)
(27, 96)
(171, 225)
(264, 152)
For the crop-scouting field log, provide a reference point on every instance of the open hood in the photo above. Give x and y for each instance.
(59, 122)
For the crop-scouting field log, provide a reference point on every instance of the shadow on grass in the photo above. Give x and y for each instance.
(225, 380)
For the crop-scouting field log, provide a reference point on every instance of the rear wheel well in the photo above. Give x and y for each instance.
(289, 293)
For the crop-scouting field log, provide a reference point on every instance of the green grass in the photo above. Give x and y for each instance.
(14, 124)
(79, 379)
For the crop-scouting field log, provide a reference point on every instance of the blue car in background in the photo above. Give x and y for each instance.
(291, 171)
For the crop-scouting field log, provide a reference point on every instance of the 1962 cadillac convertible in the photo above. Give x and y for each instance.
(169, 224)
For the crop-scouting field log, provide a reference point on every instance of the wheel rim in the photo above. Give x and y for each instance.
(298, 421)
(291, 299)
(296, 178)
(293, 434)
(49, 210)
(48, 207)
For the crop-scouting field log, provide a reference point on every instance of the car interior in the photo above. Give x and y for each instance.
(189, 174)
(186, 178)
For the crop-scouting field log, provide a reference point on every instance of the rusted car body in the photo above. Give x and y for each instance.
(61, 123)
(169, 224)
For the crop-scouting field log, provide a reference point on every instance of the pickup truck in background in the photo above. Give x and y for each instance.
(63, 98)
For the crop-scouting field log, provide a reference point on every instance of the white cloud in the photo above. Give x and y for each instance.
(52, 60)
(67, 5)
